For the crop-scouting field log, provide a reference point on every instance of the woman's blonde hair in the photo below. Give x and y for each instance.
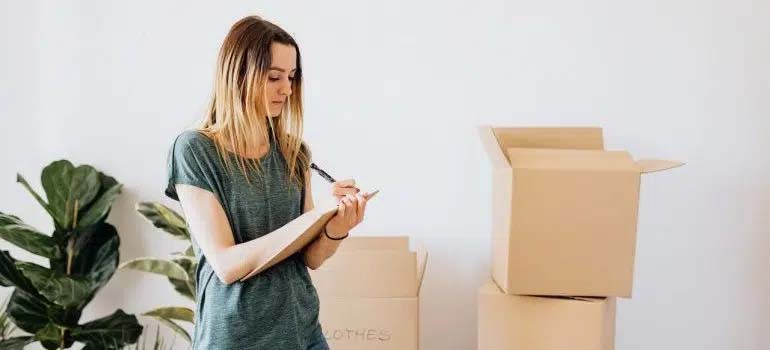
(238, 113)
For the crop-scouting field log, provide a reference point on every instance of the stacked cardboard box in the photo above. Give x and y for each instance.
(564, 223)
(369, 293)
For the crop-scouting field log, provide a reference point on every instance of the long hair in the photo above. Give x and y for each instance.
(238, 113)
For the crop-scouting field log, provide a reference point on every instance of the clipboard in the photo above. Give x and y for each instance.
(305, 228)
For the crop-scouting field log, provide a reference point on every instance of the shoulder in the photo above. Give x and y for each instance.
(193, 145)
(192, 139)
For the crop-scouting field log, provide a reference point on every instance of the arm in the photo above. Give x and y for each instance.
(208, 223)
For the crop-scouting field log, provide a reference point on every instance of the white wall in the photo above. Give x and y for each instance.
(394, 90)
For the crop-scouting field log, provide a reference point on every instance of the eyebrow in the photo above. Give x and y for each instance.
(281, 69)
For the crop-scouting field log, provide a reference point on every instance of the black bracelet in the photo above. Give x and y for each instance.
(335, 239)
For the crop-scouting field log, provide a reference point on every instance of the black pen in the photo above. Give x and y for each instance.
(322, 173)
(331, 179)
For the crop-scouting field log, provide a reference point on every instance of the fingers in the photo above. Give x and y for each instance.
(350, 212)
(341, 208)
(361, 208)
(342, 191)
(345, 183)
(343, 188)
(352, 209)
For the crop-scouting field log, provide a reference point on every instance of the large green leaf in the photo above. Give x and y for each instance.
(28, 312)
(67, 187)
(50, 337)
(172, 313)
(159, 266)
(183, 288)
(20, 179)
(64, 317)
(16, 343)
(108, 192)
(174, 327)
(15, 231)
(96, 254)
(61, 237)
(190, 265)
(164, 218)
(10, 276)
(67, 291)
(110, 332)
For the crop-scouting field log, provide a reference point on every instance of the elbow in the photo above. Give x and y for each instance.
(226, 274)
(311, 264)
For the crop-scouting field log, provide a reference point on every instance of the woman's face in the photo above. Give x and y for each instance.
(280, 76)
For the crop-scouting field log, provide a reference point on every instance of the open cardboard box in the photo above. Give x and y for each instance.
(564, 211)
(508, 322)
(369, 292)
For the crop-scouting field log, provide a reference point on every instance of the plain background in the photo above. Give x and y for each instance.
(394, 91)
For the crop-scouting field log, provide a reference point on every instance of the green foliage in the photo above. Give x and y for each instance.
(83, 254)
(180, 269)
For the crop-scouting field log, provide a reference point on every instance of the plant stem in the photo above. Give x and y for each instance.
(70, 255)
(71, 242)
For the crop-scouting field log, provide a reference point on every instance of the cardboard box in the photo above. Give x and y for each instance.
(369, 293)
(513, 322)
(564, 211)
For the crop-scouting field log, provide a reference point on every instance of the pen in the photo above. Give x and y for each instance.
(331, 179)
(322, 173)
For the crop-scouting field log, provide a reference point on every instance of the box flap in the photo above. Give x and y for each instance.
(570, 159)
(368, 273)
(492, 148)
(375, 243)
(422, 262)
(653, 165)
(550, 137)
(375, 267)
(591, 299)
(490, 287)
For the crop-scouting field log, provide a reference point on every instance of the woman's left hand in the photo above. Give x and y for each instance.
(350, 213)
(340, 189)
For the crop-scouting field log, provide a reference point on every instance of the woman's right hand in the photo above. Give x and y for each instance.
(350, 213)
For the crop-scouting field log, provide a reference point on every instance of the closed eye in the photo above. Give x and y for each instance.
(277, 79)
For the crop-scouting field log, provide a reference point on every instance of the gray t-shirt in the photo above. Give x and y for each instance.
(276, 309)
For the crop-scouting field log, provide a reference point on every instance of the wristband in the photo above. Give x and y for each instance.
(335, 239)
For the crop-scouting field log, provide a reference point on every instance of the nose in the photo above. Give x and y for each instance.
(285, 88)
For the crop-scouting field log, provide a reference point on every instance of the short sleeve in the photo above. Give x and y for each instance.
(188, 163)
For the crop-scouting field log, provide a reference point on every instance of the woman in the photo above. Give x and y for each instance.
(255, 122)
